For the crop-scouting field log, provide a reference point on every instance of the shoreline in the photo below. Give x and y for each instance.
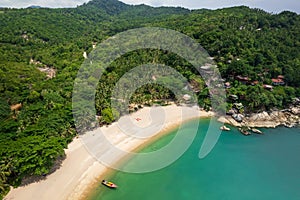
(288, 118)
(80, 172)
(109, 172)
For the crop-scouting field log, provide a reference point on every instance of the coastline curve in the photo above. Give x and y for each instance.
(144, 38)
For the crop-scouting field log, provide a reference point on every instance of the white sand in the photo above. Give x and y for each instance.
(80, 171)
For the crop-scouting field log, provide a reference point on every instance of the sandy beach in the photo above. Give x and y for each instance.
(81, 171)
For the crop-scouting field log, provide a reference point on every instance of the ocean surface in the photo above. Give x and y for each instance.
(239, 168)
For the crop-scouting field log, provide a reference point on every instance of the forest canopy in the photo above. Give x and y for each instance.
(41, 51)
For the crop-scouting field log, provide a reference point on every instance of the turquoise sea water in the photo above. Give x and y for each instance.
(239, 168)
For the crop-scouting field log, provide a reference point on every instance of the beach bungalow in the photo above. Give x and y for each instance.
(243, 79)
(255, 83)
(280, 77)
(227, 85)
(278, 81)
(207, 69)
(268, 87)
(207, 66)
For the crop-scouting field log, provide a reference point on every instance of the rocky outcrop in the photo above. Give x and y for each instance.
(49, 71)
(295, 111)
(238, 117)
(288, 117)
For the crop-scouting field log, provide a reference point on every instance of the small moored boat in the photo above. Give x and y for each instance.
(254, 130)
(244, 131)
(109, 184)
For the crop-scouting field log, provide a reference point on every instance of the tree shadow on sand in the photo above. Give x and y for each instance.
(34, 179)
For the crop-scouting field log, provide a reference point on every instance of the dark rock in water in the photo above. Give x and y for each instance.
(244, 131)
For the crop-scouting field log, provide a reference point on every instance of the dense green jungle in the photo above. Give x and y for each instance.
(41, 51)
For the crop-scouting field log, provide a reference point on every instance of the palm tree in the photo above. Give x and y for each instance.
(5, 171)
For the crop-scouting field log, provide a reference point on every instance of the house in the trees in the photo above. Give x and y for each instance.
(227, 85)
(278, 81)
(243, 79)
(268, 87)
(254, 83)
(280, 77)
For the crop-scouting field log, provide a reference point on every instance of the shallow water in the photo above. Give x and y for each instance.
(239, 168)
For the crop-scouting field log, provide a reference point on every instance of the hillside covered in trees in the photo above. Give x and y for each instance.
(257, 53)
